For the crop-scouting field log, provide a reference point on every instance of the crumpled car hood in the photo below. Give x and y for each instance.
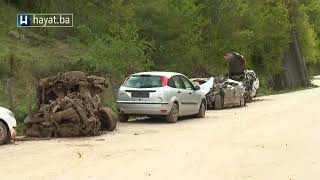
(206, 87)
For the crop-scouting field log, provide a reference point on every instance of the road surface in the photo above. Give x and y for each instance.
(274, 138)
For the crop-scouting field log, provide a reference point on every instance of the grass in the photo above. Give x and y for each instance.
(19, 129)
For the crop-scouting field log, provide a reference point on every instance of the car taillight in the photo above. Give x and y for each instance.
(164, 81)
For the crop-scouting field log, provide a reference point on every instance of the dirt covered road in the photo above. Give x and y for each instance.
(276, 137)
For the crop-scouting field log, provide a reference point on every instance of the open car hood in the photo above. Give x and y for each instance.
(207, 86)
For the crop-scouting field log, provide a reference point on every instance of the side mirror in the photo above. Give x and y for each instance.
(196, 88)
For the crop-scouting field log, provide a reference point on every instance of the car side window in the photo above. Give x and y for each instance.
(176, 82)
(188, 85)
(171, 83)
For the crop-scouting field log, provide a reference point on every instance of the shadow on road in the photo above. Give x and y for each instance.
(259, 100)
(156, 120)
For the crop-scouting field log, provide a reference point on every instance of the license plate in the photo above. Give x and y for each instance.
(140, 94)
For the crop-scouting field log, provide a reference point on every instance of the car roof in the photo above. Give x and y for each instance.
(159, 73)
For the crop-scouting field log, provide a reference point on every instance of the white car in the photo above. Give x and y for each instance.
(7, 126)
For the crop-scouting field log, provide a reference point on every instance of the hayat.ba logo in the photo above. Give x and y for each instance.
(44, 20)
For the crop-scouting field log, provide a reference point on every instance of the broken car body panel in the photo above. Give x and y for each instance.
(233, 93)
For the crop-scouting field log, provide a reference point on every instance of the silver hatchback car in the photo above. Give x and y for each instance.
(161, 94)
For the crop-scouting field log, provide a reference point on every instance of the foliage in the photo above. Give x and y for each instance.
(115, 38)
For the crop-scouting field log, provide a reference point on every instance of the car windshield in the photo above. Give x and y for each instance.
(143, 81)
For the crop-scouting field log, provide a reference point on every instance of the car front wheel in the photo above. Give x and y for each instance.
(202, 110)
(4, 135)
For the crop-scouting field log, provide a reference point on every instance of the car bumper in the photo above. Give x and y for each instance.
(135, 108)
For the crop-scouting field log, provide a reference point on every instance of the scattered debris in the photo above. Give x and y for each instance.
(251, 84)
(69, 105)
(79, 155)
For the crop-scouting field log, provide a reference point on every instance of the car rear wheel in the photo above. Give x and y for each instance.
(173, 116)
(123, 117)
(202, 110)
(218, 102)
(4, 134)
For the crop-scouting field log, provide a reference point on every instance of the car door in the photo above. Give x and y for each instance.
(191, 99)
(176, 90)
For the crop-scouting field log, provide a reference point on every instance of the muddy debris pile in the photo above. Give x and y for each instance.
(69, 105)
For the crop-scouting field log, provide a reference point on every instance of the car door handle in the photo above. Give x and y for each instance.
(179, 91)
(190, 93)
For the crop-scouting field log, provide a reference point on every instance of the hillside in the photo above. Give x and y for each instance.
(115, 38)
